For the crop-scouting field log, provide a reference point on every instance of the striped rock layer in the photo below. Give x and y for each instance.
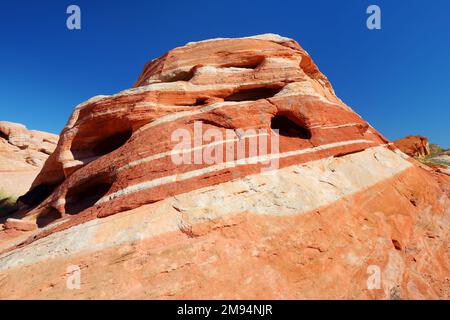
(341, 205)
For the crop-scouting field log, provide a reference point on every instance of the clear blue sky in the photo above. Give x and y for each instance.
(396, 78)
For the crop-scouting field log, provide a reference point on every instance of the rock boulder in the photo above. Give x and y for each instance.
(140, 198)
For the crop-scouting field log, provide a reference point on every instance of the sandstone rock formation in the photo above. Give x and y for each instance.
(22, 155)
(343, 214)
(431, 155)
(414, 146)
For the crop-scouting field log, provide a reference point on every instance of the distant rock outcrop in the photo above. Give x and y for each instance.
(150, 194)
(414, 146)
(430, 154)
(23, 152)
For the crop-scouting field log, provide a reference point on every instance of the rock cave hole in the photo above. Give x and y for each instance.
(200, 102)
(37, 194)
(86, 194)
(180, 76)
(48, 216)
(252, 62)
(289, 128)
(111, 142)
(4, 136)
(253, 94)
(396, 244)
(100, 147)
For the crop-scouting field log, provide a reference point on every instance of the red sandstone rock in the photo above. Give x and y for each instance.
(414, 146)
(226, 84)
(20, 225)
(343, 201)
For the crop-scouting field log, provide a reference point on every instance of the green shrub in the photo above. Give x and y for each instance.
(435, 149)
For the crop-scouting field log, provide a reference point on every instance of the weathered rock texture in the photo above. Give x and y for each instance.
(344, 200)
(414, 146)
(22, 155)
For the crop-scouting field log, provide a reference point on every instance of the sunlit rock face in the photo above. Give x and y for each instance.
(23, 152)
(414, 146)
(115, 148)
(327, 203)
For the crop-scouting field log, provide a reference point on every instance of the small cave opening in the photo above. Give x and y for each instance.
(200, 102)
(48, 216)
(37, 194)
(397, 244)
(111, 143)
(86, 194)
(101, 146)
(288, 128)
(4, 135)
(196, 103)
(252, 62)
(179, 76)
(253, 94)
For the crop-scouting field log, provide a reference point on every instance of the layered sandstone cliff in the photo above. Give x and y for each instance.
(323, 207)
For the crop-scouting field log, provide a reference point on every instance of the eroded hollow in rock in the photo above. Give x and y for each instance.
(37, 194)
(4, 135)
(397, 244)
(179, 76)
(111, 143)
(47, 217)
(94, 148)
(251, 62)
(200, 102)
(87, 193)
(253, 94)
(289, 128)
(347, 153)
